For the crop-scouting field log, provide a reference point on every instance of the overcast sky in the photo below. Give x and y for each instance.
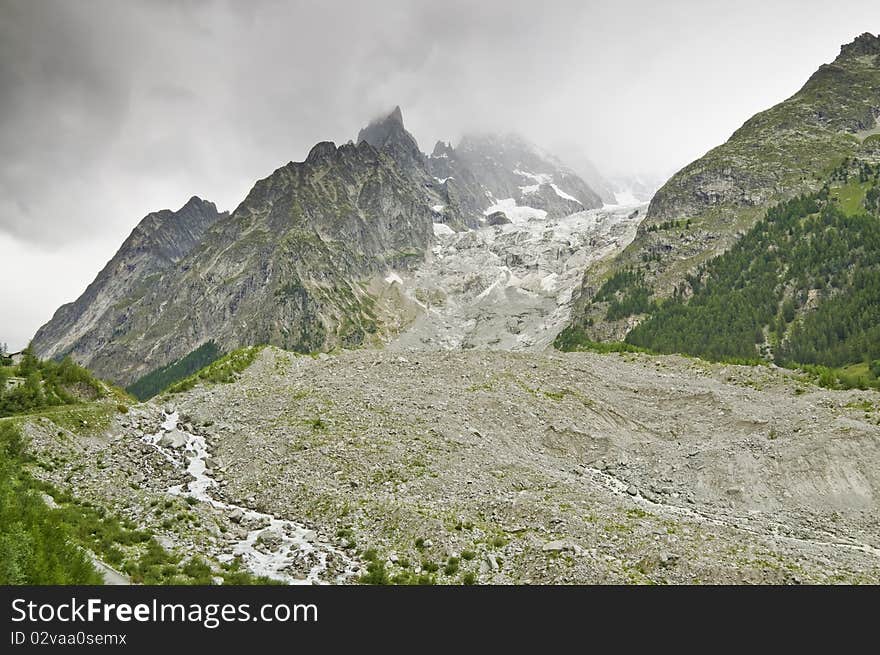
(110, 109)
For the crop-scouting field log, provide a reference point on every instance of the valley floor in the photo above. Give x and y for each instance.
(500, 467)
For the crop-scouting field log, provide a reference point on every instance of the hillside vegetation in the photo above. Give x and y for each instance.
(160, 379)
(35, 546)
(34, 384)
(225, 369)
(778, 154)
(801, 287)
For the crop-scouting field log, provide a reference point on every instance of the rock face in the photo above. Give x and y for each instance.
(159, 242)
(455, 198)
(389, 135)
(285, 268)
(462, 197)
(779, 153)
(296, 263)
(510, 167)
(462, 183)
(497, 218)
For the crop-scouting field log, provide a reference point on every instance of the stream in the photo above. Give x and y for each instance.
(276, 548)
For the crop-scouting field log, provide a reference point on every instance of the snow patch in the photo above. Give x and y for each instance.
(437, 208)
(441, 229)
(393, 277)
(563, 194)
(540, 178)
(516, 213)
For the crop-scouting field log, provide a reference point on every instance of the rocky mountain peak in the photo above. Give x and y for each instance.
(442, 148)
(387, 134)
(197, 203)
(157, 243)
(396, 115)
(321, 151)
(510, 167)
(189, 222)
(863, 45)
(384, 130)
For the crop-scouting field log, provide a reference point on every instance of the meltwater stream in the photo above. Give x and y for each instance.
(273, 549)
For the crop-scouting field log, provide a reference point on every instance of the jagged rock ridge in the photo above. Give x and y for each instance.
(286, 267)
(510, 167)
(157, 243)
(300, 263)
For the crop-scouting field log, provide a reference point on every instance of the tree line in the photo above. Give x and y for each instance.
(801, 287)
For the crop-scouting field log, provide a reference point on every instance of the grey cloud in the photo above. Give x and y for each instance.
(110, 109)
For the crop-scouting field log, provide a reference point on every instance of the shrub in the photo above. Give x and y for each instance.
(451, 567)
(35, 541)
(225, 369)
(376, 574)
(426, 579)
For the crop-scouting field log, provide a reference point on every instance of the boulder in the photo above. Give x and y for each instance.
(173, 439)
(497, 218)
(561, 545)
(271, 538)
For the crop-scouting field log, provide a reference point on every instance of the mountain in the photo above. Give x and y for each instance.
(517, 174)
(483, 174)
(789, 149)
(289, 266)
(157, 243)
(575, 159)
(802, 287)
(390, 136)
(463, 198)
(302, 262)
(450, 197)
